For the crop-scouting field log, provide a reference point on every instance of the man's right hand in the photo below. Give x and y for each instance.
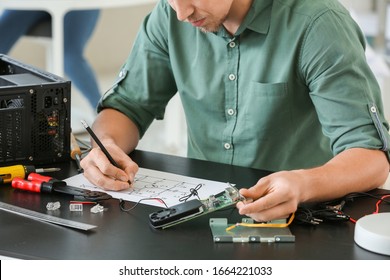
(100, 172)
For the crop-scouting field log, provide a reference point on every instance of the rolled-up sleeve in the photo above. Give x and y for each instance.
(343, 88)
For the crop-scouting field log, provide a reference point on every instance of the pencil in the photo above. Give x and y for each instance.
(100, 144)
(97, 141)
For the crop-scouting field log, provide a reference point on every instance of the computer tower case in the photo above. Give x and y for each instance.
(34, 115)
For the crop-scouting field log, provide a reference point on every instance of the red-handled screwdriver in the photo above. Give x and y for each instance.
(40, 178)
(32, 186)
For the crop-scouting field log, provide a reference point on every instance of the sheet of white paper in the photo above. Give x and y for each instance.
(156, 184)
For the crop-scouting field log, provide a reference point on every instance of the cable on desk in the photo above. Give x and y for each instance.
(332, 211)
(353, 195)
(382, 199)
(193, 192)
(316, 216)
(123, 202)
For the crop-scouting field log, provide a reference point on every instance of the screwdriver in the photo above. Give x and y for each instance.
(75, 152)
(32, 186)
(7, 173)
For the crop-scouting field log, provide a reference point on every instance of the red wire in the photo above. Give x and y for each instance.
(352, 220)
(376, 207)
(379, 202)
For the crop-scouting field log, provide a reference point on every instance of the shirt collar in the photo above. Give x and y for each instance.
(258, 18)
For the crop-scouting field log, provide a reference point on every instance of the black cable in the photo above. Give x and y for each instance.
(353, 195)
(319, 214)
(123, 202)
(332, 210)
(193, 192)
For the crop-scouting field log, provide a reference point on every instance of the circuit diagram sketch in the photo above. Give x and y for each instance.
(149, 184)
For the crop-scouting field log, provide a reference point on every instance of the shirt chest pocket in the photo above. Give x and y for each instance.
(267, 112)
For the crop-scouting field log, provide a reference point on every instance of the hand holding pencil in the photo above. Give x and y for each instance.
(107, 166)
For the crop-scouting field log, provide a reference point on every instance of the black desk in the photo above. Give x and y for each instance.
(122, 235)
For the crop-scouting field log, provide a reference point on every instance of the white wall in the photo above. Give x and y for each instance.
(359, 5)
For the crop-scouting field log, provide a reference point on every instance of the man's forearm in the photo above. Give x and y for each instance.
(112, 125)
(354, 170)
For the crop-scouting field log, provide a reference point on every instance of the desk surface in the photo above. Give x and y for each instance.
(122, 235)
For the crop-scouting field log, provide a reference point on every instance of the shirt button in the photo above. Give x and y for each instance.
(230, 112)
(232, 77)
(227, 146)
(373, 109)
(121, 74)
(232, 44)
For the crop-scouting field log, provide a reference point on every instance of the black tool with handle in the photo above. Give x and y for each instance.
(45, 184)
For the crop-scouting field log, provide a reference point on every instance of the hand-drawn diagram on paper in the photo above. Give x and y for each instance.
(156, 184)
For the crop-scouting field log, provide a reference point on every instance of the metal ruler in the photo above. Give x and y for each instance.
(44, 217)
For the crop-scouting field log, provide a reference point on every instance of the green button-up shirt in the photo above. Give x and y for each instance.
(289, 90)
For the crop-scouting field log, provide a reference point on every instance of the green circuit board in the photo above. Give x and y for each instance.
(195, 208)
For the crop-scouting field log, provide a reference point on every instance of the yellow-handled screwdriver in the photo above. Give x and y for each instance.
(7, 173)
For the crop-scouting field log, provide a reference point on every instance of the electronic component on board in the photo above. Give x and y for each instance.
(272, 232)
(194, 208)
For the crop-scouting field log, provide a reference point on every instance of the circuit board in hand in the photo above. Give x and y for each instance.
(194, 208)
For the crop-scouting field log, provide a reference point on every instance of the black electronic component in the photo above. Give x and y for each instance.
(34, 115)
(176, 213)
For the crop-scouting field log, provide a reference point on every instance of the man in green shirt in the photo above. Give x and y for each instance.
(276, 85)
